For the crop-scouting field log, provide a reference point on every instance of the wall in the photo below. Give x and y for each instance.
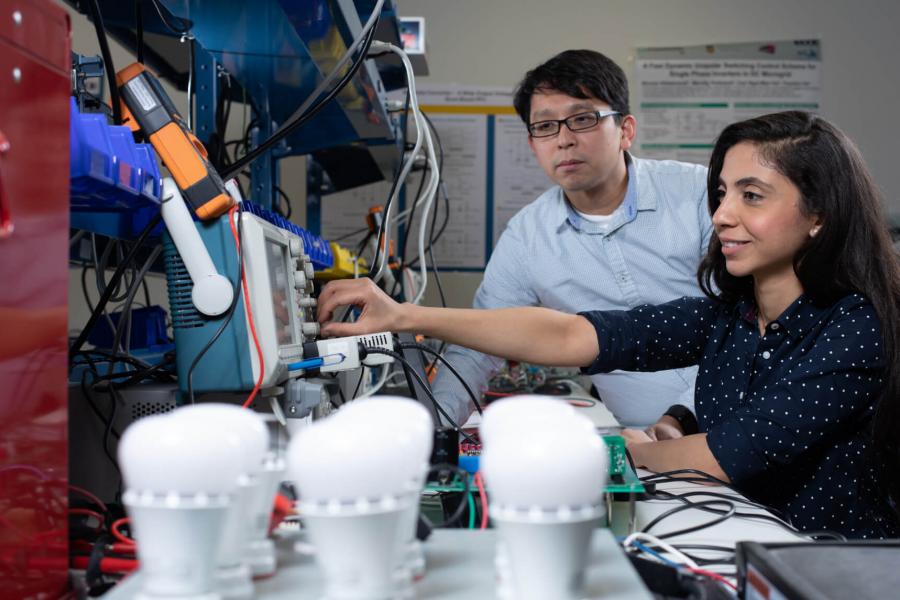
(493, 42)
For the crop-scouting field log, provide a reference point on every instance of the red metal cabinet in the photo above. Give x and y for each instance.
(34, 227)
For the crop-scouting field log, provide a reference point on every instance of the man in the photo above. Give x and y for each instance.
(616, 232)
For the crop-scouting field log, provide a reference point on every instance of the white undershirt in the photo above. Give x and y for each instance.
(601, 220)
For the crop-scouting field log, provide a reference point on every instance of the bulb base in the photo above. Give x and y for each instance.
(260, 557)
(236, 531)
(541, 557)
(173, 564)
(234, 583)
(358, 546)
(415, 559)
(259, 551)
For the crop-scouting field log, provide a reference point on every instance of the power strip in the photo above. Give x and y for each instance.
(347, 349)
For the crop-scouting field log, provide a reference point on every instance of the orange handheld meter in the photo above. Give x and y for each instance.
(147, 107)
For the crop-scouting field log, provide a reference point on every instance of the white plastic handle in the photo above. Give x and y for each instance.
(212, 293)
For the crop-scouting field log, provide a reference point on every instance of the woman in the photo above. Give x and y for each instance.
(798, 350)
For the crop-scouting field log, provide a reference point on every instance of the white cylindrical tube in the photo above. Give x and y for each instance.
(212, 293)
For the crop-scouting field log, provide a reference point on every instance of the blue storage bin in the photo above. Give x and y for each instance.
(115, 183)
(318, 249)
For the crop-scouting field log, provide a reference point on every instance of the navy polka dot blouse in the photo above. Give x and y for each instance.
(787, 414)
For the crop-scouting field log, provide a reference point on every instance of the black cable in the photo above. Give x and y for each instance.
(139, 29)
(704, 477)
(428, 167)
(434, 267)
(464, 477)
(443, 227)
(666, 475)
(343, 397)
(231, 309)
(157, 372)
(146, 287)
(666, 495)
(125, 314)
(186, 24)
(437, 137)
(84, 290)
(104, 298)
(379, 239)
(396, 182)
(107, 424)
(440, 350)
(776, 518)
(287, 214)
(452, 369)
(309, 114)
(431, 236)
(412, 214)
(93, 405)
(362, 374)
(722, 517)
(101, 265)
(109, 356)
(351, 234)
(436, 236)
(94, 8)
(363, 242)
(630, 461)
(740, 500)
(191, 84)
(217, 145)
(114, 402)
(425, 387)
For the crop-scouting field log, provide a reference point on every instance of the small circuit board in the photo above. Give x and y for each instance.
(622, 478)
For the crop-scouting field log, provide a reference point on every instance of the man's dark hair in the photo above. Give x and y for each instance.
(577, 73)
(851, 253)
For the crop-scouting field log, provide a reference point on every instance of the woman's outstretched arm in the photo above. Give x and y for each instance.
(536, 335)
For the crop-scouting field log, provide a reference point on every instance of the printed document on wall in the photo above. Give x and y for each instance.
(687, 95)
(518, 178)
(343, 216)
(462, 244)
(463, 118)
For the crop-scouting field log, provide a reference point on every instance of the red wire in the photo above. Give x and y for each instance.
(116, 547)
(712, 575)
(107, 565)
(479, 483)
(262, 364)
(114, 530)
(89, 496)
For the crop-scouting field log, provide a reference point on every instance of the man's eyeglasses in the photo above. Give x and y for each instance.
(578, 122)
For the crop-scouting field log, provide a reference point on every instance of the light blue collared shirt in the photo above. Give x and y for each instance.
(648, 253)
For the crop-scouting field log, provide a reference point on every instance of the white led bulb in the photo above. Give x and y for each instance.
(516, 412)
(233, 575)
(546, 495)
(180, 481)
(409, 424)
(356, 489)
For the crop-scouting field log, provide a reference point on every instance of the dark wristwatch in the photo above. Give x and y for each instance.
(686, 419)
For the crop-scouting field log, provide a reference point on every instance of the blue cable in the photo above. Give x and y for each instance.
(315, 363)
(656, 554)
(310, 363)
